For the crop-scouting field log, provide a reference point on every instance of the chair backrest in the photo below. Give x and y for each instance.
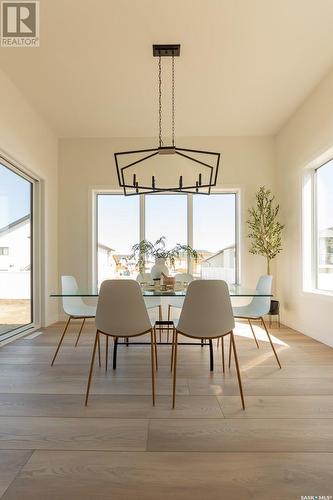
(121, 310)
(207, 310)
(261, 305)
(71, 305)
(184, 277)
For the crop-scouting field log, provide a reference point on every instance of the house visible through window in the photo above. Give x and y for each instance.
(207, 223)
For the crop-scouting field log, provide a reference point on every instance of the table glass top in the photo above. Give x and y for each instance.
(178, 291)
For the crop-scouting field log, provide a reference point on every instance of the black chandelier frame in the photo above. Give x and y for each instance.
(194, 189)
(135, 188)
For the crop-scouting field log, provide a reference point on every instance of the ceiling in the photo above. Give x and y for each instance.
(245, 65)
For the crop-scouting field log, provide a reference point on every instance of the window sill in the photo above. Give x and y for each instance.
(315, 291)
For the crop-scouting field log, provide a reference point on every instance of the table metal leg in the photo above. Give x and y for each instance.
(211, 355)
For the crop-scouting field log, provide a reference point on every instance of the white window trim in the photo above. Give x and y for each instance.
(38, 289)
(92, 218)
(309, 226)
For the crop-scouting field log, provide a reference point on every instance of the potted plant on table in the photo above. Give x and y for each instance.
(161, 254)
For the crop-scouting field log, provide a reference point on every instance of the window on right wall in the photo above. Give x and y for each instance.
(323, 191)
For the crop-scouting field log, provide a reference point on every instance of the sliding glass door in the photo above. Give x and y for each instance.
(16, 218)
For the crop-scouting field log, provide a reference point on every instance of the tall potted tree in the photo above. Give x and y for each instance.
(265, 230)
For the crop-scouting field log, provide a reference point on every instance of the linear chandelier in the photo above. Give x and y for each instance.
(191, 170)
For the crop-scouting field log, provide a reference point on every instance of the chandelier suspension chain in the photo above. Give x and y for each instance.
(160, 100)
(173, 100)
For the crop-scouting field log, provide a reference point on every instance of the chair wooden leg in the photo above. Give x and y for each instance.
(99, 351)
(172, 349)
(254, 335)
(174, 370)
(152, 353)
(230, 353)
(61, 339)
(232, 341)
(222, 345)
(169, 316)
(91, 367)
(106, 352)
(155, 348)
(270, 340)
(79, 335)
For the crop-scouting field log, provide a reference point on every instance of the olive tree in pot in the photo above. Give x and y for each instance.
(265, 232)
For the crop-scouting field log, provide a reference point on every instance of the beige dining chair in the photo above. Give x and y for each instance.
(206, 313)
(121, 312)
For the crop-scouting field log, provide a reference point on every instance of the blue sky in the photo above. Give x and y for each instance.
(14, 196)
(214, 220)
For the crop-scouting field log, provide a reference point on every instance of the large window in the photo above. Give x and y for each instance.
(207, 223)
(118, 229)
(214, 236)
(324, 226)
(16, 284)
(166, 215)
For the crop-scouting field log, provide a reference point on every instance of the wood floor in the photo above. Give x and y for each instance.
(208, 448)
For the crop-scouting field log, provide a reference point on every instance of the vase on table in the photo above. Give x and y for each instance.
(158, 268)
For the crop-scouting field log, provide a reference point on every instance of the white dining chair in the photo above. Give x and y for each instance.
(74, 307)
(206, 313)
(121, 312)
(177, 302)
(151, 302)
(257, 308)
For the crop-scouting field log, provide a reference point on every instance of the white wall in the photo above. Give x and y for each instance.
(247, 163)
(307, 135)
(26, 138)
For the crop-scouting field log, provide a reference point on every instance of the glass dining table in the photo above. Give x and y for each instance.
(151, 291)
(152, 294)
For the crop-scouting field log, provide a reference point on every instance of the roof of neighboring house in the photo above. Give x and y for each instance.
(105, 247)
(219, 253)
(326, 233)
(14, 225)
(118, 257)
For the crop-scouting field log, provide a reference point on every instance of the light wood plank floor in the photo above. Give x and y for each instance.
(120, 447)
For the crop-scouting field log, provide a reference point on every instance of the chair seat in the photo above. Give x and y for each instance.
(245, 312)
(83, 311)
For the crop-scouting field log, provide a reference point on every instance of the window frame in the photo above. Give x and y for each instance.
(36, 190)
(316, 243)
(93, 271)
(310, 240)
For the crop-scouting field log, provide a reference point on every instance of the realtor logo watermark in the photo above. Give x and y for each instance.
(20, 24)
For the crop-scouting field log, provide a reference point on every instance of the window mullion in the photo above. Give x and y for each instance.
(190, 229)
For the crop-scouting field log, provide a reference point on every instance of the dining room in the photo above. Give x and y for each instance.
(166, 250)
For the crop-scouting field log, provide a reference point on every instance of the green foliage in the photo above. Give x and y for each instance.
(146, 248)
(265, 230)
